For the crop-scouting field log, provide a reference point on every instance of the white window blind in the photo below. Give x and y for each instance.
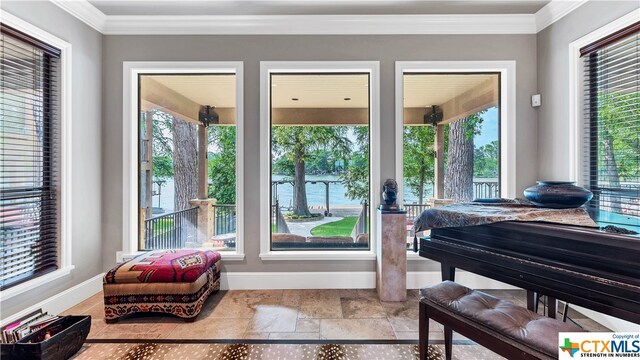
(612, 127)
(29, 106)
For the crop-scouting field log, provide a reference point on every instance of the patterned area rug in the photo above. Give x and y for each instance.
(166, 351)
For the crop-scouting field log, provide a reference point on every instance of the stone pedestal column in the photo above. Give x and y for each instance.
(206, 218)
(391, 264)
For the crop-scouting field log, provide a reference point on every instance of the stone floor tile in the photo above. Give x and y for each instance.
(296, 335)
(308, 325)
(256, 335)
(269, 318)
(320, 308)
(217, 329)
(362, 308)
(407, 335)
(356, 329)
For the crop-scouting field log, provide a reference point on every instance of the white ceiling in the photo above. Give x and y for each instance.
(424, 90)
(213, 90)
(320, 91)
(314, 17)
(316, 7)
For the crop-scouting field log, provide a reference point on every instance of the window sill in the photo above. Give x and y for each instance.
(35, 283)
(318, 255)
(226, 255)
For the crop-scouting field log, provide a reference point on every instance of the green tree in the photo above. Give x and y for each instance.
(418, 159)
(485, 160)
(162, 145)
(355, 176)
(222, 164)
(321, 161)
(618, 141)
(162, 167)
(296, 143)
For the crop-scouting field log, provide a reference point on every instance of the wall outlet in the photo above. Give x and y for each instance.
(535, 100)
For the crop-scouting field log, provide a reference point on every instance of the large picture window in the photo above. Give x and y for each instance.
(320, 142)
(29, 158)
(612, 127)
(187, 161)
(450, 139)
(320, 173)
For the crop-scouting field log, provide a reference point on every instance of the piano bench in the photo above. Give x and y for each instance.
(502, 327)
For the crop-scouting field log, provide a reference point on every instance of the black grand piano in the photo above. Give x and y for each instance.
(582, 266)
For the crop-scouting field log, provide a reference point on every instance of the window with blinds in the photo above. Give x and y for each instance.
(29, 104)
(612, 127)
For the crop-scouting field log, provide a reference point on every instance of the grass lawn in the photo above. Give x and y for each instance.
(337, 228)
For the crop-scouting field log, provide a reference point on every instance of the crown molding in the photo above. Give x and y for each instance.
(554, 11)
(84, 11)
(321, 24)
(460, 24)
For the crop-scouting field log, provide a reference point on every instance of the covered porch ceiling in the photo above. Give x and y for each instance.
(320, 99)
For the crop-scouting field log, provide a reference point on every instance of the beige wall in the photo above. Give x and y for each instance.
(86, 145)
(253, 49)
(553, 80)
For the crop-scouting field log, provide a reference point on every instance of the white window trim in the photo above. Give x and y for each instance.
(131, 70)
(576, 82)
(507, 70)
(65, 265)
(268, 67)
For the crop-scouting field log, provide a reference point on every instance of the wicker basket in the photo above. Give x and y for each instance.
(69, 333)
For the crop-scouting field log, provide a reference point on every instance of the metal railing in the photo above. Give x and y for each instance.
(361, 224)
(172, 230)
(225, 219)
(486, 189)
(414, 210)
(278, 224)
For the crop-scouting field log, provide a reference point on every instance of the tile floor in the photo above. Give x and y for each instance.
(287, 314)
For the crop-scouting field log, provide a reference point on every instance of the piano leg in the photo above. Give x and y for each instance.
(552, 307)
(448, 272)
(532, 301)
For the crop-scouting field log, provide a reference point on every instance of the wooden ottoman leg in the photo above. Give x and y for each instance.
(190, 320)
(111, 321)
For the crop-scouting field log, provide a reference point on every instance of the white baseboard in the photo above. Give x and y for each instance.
(420, 279)
(342, 280)
(611, 322)
(63, 300)
(297, 280)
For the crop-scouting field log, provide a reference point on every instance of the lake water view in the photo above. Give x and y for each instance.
(315, 193)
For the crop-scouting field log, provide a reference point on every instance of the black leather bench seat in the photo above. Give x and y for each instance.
(498, 317)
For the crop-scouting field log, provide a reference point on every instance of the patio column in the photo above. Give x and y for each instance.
(438, 147)
(206, 218)
(203, 163)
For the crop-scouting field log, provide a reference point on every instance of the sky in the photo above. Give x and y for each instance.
(489, 130)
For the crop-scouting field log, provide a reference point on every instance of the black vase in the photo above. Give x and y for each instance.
(558, 194)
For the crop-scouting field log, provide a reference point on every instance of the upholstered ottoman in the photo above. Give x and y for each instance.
(163, 281)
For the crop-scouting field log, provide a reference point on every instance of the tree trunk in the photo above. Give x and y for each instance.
(458, 183)
(185, 156)
(611, 172)
(300, 206)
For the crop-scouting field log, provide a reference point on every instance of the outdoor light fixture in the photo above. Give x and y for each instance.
(208, 116)
(434, 117)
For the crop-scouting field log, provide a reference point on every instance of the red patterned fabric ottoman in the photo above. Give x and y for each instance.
(164, 281)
